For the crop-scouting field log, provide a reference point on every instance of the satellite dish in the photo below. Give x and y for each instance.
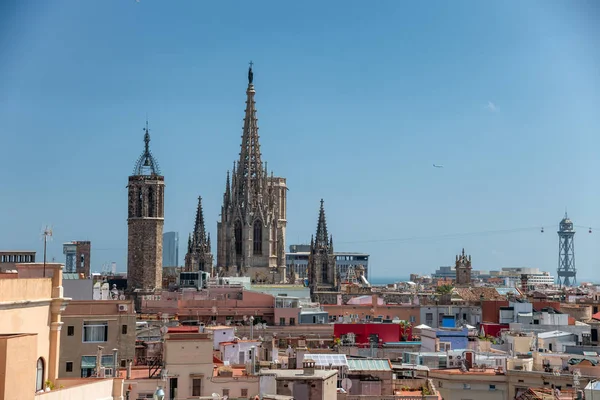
(346, 384)
(215, 396)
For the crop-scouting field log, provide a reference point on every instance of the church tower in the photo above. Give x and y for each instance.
(251, 233)
(322, 271)
(199, 256)
(463, 270)
(145, 220)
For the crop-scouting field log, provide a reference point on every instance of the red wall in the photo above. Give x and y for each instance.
(387, 332)
(493, 329)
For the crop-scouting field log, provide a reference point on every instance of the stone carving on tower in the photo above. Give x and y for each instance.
(463, 269)
(322, 271)
(145, 220)
(251, 232)
(199, 257)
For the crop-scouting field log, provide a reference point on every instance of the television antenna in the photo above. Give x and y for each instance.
(46, 235)
(346, 384)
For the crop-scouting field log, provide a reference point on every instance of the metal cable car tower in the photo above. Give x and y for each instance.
(567, 274)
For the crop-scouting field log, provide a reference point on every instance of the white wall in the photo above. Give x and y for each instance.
(268, 384)
(221, 335)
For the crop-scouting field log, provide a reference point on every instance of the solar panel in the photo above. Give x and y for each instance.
(324, 360)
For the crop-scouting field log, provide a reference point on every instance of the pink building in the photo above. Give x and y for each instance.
(220, 304)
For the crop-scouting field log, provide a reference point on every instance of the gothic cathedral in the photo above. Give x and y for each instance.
(145, 220)
(251, 232)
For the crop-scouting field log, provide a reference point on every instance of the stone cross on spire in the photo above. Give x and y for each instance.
(250, 73)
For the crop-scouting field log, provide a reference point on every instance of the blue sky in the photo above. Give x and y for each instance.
(356, 101)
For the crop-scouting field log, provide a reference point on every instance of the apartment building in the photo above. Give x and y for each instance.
(90, 324)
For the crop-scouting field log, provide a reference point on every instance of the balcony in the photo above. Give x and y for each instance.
(84, 388)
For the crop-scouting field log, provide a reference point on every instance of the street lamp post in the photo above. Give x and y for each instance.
(159, 394)
(251, 327)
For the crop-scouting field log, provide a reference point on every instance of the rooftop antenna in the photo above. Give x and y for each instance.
(47, 235)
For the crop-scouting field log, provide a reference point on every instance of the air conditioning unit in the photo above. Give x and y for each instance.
(122, 307)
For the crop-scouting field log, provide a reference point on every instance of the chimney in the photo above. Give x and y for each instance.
(201, 328)
(308, 365)
(300, 352)
(99, 360)
(129, 370)
(115, 362)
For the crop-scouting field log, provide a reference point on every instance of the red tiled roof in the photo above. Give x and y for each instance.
(596, 316)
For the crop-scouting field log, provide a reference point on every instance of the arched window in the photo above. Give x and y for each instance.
(39, 378)
(151, 202)
(140, 207)
(324, 273)
(238, 237)
(257, 238)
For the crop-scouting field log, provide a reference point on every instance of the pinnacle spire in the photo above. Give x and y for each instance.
(250, 166)
(199, 228)
(322, 236)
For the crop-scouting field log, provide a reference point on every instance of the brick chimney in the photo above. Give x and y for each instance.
(308, 365)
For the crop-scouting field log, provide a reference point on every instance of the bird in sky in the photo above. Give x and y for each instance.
(437, 166)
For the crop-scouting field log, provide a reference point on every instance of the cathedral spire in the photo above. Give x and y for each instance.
(227, 197)
(250, 167)
(322, 236)
(146, 164)
(199, 228)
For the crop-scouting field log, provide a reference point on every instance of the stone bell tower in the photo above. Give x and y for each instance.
(463, 269)
(145, 220)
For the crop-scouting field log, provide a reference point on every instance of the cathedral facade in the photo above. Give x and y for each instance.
(251, 232)
(145, 220)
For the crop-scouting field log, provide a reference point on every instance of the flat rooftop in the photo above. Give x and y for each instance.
(319, 374)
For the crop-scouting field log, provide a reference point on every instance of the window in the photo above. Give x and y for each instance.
(70, 330)
(95, 331)
(429, 318)
(292, 321)
(282, 321)
(244, 393)
(413, 319)
(324, 273)
(39, 378)
(492, 387)
(257, 238)
(123, 363)
(69, 366)
(238, 237)
(466, 386)
(124, 330)
(197, 387)
(225, 392)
